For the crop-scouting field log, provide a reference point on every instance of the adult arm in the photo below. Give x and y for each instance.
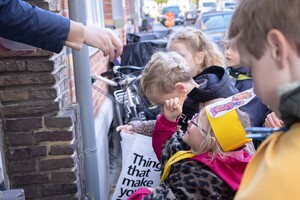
(21, 22)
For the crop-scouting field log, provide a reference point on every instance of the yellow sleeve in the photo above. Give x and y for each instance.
(273, 172)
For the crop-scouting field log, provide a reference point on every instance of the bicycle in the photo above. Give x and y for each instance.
(128, 106)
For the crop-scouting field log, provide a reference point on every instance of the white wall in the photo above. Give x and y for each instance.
(102, 123)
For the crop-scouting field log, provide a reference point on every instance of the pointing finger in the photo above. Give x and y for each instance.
(182, 96)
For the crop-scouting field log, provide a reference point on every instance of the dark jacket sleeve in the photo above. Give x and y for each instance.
(21, 22)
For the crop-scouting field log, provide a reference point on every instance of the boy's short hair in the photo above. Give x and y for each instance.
(253, 19)
(162, 72)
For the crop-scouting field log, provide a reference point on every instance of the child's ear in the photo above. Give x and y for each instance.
(199, 57)
(179, 87)
(212, 142)
(279, 46)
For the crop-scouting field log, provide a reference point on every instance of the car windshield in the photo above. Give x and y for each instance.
(230, 4)
(171, 9)
(215, 22)
(209, 4)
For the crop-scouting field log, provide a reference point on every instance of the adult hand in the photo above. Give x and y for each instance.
(104, 39)
(125, 128)
(173, 107)
(272, 121)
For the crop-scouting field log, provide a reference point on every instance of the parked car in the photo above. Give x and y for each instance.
(190, 17)
(226, 5)
(179, 15)
(214, 24)
(207, 5)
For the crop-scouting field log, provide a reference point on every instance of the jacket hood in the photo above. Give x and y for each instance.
(214, 82)
(289, 106)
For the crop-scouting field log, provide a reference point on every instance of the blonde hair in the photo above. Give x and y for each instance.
(196, 41)
(253, 19)
(162, 72)
(217, 149)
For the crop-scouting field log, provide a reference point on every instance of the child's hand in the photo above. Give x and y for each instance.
(151, 189)
(125, 128)
(173, 107)
(272, 121)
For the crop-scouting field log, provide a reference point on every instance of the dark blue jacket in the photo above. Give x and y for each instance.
(214, 82)
(21, 22)
(255, 108)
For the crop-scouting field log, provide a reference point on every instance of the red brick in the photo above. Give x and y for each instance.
(57, 163)
(42, 136)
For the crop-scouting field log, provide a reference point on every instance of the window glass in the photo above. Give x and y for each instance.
(227, 19)
(94, 16)
(94, 12)
(229, 4)
(214, 22)
(173, 9)
(209, 4)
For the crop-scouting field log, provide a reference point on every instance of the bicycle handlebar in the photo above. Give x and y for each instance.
(105, 80)
(118, 69)
(128, 67)
(125, 81)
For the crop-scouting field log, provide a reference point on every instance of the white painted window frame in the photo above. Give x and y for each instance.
(94, 16)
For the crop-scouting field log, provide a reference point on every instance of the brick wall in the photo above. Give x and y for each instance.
(108, 16)
(43, 150)
(127, 8)
(42, 136)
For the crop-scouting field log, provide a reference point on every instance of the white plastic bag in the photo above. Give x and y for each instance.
(140, 167)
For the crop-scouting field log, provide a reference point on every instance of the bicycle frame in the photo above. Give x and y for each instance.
(125, 93)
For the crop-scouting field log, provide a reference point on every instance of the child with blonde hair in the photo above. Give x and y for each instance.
(191, 160)
(198, 50)
(200, 53)
(266, 34)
